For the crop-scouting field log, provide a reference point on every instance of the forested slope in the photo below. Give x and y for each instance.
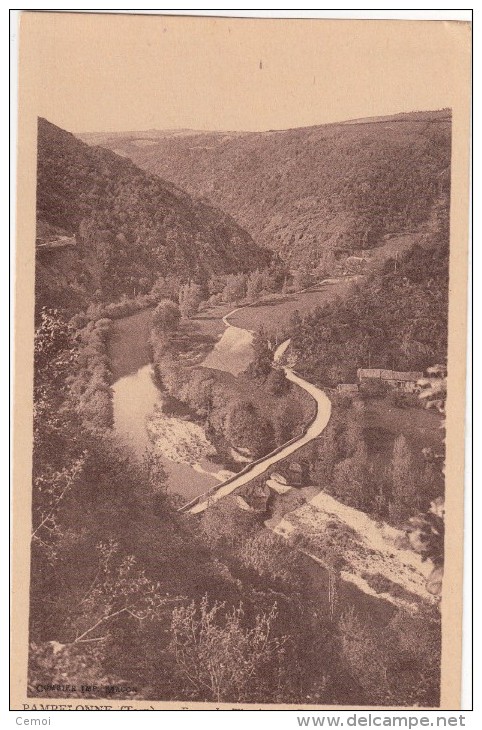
(395, 319)
(125, 591)
(129, 226)
(314, 192)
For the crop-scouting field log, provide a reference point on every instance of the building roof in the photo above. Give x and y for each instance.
(368, 372)
(378, 373)
(395, 375)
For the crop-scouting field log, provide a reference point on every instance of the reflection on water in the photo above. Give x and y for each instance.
(135, 397)
(136, 401)
(129, 347)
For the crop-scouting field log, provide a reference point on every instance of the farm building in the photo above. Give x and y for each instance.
(407, 382)
(347, 388)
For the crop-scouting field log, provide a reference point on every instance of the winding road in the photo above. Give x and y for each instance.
(257, 468)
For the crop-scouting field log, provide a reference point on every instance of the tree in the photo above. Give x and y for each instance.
(379, 324)
(277, 382)
(198, 392)
(426, 530)
(351, 480)
(354, 427)
(218, 657)
(260, 367)
(325, 265)
(190, 297)
(271, 558)
(426, 533)
(53, 344)
(270, 279)
(296, 321)
(301, 279)
(397, 664)
(405, 494)
(235, 288)
(337, 373)
(247, 429)
(254, 286)
(161, 288)
(216, 285)
(326, 456)
(166, 316)
(49, 491)
(119, 590)
(288, 418)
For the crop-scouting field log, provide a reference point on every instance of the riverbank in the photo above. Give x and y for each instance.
(129, 346)
(224, 351)
(140, 417)
(261, 466)
(353, 560)
(371, 555)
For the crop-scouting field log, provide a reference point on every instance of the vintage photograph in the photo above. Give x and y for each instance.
(242, 262)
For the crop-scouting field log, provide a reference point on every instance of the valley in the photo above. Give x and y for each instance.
(205, 303)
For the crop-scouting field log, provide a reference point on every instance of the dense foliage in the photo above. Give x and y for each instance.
(311, 192)
(397, 319)
(125, 590)
(129, 226)
(388, 475)
(118, 576)
(250, 414)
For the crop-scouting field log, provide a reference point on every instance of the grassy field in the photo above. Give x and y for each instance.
(210, 321)
(421, 427)
(274, 314)
(233, 350)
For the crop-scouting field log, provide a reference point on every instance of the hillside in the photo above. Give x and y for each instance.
(395, 318)
(104, 226)
(313, 193)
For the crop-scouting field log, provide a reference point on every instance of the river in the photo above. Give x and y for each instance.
(138, 417)
(140, 423)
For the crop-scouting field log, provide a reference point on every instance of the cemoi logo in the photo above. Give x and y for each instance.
(32, 720)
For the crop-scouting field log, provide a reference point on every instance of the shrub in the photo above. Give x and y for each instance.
(246, 428)
(277, 382)
(219, 657)
(166, 316)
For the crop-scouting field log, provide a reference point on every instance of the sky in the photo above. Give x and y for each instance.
(98, 73)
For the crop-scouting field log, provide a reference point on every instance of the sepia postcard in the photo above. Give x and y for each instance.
(240, 345)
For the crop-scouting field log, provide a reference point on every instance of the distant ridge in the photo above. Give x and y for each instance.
(314, 192)
(95, 138)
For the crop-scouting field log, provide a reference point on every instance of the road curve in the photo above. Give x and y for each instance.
(256, 469)
(227, 323)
